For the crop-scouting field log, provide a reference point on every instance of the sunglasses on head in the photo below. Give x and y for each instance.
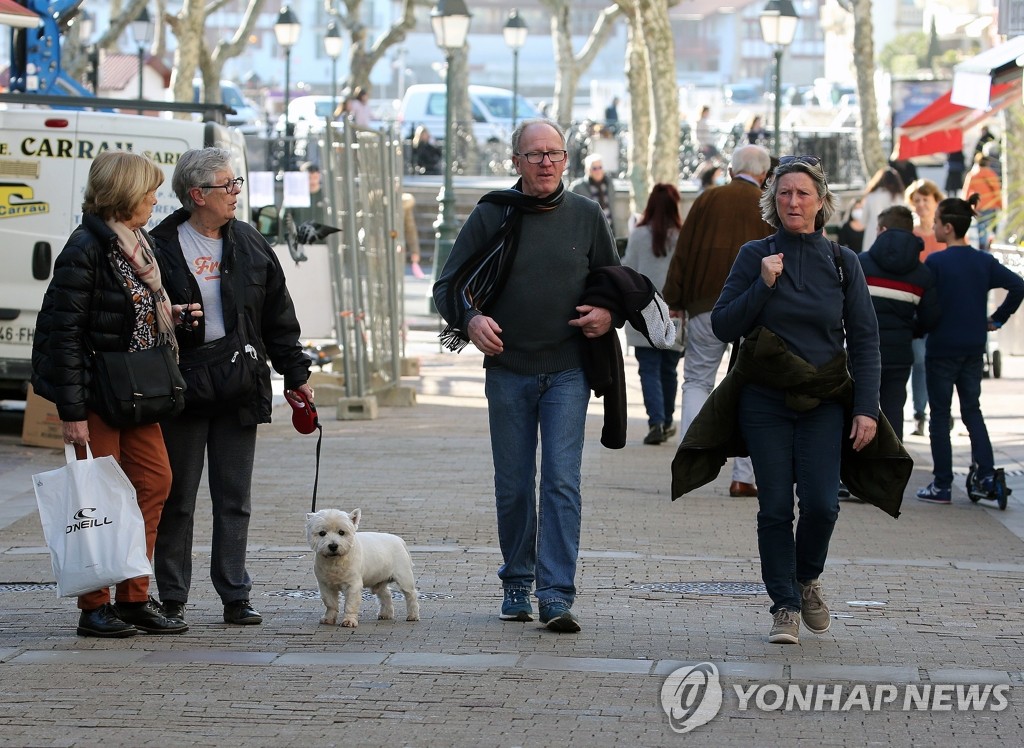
(809, 160)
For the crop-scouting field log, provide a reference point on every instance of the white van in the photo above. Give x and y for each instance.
(424, 104)
(45, 156)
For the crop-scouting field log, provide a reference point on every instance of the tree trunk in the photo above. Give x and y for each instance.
(188, 28)
(872, 155)
(663, 143)
(638, 79)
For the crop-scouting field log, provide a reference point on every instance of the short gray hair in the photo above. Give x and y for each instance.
(751, 160)
(196, 168)
(517, 134)
(770, 211)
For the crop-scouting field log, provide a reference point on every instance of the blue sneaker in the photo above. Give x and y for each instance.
(934, 495)
(558, 617)
(516, 605)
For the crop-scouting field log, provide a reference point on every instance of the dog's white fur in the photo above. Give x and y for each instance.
(346, 561)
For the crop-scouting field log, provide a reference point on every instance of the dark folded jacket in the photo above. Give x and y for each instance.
(879, 473)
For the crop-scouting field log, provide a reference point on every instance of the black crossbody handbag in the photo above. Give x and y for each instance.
(224, 373)
(135, 388)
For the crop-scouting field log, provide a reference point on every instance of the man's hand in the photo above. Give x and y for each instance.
(485, 334)
(863, 431)
(594, 320)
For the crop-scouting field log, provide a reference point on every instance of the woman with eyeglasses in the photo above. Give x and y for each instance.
(207, 256)
(800, 302)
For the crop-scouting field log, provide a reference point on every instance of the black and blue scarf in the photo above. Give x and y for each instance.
(482, 277)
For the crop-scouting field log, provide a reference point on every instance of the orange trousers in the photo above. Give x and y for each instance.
(142, 455)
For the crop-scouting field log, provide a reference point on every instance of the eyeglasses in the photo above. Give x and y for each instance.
(233, 185)
(809, 160)
(537, 157)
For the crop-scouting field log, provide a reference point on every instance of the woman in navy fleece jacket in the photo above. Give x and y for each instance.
(812, 294)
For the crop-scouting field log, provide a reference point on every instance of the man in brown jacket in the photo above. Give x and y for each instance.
(721, 220)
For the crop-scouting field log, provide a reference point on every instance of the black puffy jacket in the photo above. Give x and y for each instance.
(267, 305)
(87, 307)
(903, 293)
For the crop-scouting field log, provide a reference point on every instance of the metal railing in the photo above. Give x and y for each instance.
(361, 171)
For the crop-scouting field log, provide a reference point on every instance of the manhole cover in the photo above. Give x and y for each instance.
(704, 588)
(26, 586)
(367, 595)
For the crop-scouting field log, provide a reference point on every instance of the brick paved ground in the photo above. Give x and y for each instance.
(945, 587)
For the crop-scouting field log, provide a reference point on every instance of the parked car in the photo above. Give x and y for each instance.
(424, 104)
(247, 117)
(307, 114)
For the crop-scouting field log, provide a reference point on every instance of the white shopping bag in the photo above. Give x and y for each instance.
(92, 524)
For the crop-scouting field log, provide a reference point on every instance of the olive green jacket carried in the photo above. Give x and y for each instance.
(878, 473)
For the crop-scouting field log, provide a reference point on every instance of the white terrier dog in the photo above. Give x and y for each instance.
(346, 561)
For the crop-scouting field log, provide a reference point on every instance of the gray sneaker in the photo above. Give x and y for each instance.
(813, 608)
(785, 627)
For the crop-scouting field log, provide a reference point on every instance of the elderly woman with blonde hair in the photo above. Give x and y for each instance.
(107, 294)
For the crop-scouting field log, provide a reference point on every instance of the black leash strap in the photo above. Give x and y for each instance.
(316, 476)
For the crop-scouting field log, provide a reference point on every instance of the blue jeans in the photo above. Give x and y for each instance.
(918, 385)
(964, 373)
(538, 545)
(790, 447)
(658, 381)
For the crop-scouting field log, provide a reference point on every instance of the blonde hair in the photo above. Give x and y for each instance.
(118, 181)
(923, 187)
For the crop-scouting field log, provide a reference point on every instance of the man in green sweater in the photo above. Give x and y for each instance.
(511, 286)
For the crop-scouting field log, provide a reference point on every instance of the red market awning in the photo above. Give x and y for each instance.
(940, 126)
(12, 14)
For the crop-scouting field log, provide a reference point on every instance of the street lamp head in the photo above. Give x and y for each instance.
(778, 23)
(86, 23)
(515, 30)
(450, 21)
(333, 42)
(142, 28)
(287, 28)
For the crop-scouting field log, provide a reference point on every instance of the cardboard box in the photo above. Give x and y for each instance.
(41, 427)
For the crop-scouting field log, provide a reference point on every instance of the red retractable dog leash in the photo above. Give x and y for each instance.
(305, 421)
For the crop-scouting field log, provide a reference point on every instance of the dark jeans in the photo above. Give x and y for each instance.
(964, 373)
(659, 382)
(790, 447)
(892, 395)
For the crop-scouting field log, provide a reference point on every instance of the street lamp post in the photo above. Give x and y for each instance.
(142, 30)
(450, 22)
(287, 29)
(86, 25)
(332, 46)
(515, 32)
(778, 27)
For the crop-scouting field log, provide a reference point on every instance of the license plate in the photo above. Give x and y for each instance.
(16, 335)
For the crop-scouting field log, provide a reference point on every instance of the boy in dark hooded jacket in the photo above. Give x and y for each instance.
(906, 304)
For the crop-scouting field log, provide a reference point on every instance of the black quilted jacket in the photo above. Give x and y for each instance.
(86, 307)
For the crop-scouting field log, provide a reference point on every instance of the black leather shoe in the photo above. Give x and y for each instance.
(173, 609)
(104, 622)
(148, 617)
(241, 613)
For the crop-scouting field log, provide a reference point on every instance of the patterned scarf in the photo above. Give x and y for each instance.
(139, 254)
(481, 278)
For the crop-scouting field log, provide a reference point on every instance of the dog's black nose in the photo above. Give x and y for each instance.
(333, 547)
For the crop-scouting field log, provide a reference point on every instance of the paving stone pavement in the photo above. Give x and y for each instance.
(929, 600)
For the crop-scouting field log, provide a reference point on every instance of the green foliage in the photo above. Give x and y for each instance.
(905, 51)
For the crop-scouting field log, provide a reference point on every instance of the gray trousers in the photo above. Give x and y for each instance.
(230, 450)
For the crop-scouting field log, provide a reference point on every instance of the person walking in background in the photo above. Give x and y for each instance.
(755, 131)
(802, 289)
(851, 233)
(511, 286)
(649, 251)
(427, 156)
(906, 304)
(711, 174)
(721, 220)
(955, 355)
(984, 182)
(955, 168)
(883, 190)
(598, 186)
(205, 253)
(925, 196)
(611, 115)
(703, 134)
(107, 294)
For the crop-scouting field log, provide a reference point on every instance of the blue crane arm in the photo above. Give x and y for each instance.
(35, 53)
